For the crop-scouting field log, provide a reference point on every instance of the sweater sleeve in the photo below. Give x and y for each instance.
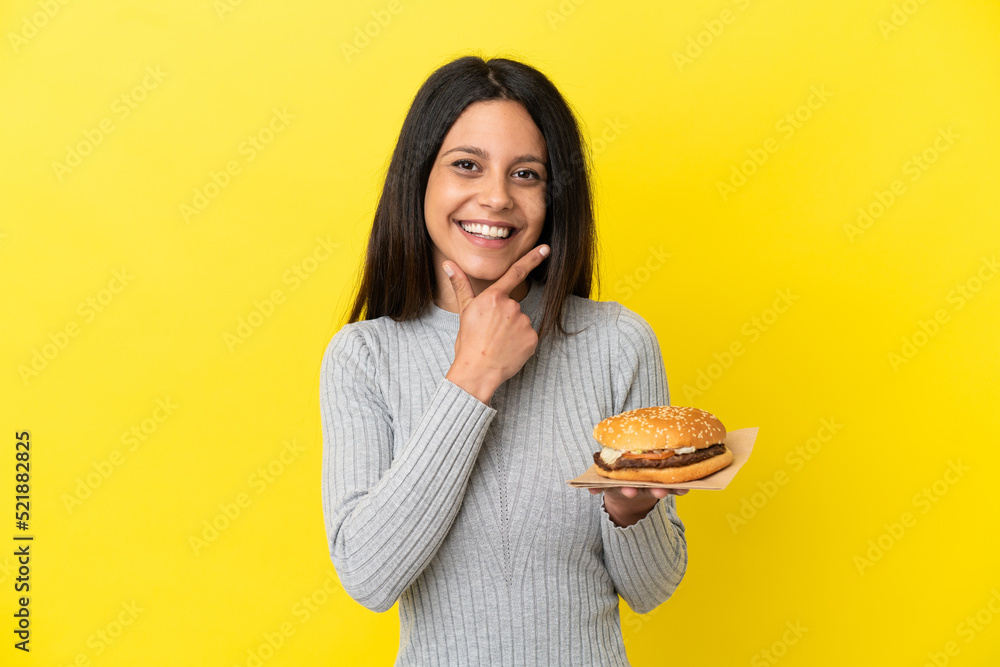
(386, 518)
(646, 560)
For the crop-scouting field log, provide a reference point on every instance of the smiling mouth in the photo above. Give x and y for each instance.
(485, 231)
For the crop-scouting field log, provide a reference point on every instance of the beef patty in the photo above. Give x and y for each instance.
(670, 462)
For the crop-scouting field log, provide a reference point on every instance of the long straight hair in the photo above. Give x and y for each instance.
(397, 278)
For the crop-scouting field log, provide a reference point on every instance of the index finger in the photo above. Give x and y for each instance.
(520, 269)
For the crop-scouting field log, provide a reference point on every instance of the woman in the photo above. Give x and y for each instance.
(450, 425)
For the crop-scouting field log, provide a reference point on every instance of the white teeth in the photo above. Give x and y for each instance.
(486, 231)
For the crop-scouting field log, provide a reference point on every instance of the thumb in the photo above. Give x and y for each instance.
(460, 284)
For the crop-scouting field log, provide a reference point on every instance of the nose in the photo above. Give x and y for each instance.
(495, 192)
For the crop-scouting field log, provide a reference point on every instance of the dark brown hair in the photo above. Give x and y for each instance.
(397, 278)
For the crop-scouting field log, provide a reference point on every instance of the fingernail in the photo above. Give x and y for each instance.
(543, 251)
(447, 269)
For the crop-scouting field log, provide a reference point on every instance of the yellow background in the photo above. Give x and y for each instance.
(673, 96)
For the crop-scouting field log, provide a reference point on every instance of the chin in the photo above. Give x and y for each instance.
(486, 271)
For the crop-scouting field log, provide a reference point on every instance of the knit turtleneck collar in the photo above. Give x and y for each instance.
(531, 305)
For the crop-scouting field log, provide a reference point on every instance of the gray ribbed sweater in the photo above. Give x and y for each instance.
(461, 511)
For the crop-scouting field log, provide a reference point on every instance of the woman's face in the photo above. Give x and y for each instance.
(490, 172)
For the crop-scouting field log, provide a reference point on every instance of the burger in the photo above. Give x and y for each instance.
(666, 444)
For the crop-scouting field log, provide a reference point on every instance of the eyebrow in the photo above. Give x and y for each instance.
(479, 152)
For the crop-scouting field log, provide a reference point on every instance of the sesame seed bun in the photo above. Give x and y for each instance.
(663, 427)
